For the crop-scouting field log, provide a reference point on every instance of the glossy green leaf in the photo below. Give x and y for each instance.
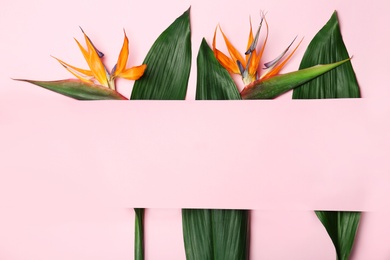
(275, 86)
(328, 46)
(213, 80)
(166, 78)
(77, 89)
(341, 227)
(216, 234)
(169, 63)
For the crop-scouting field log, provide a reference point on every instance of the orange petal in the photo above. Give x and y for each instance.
(83, 75)
(122, 58)
(214, 40)
(133, 73)
(224, 60)
(234, 54)
(254, 64)
(256, 57)
(227, 62)
(83, 51)
(95, 63)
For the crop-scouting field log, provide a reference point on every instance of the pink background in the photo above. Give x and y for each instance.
(71, 171)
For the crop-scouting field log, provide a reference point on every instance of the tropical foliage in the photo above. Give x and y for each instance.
(325, 72)
(328, 46)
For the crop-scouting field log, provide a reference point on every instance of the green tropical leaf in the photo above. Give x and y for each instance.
(169, 63)
(215, 234)
(78, 89)
(166, 78)
(197, 234)
(328, 46)
(213, 80)
(341, 227)
(275, 86)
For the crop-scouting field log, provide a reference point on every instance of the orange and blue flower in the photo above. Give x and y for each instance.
(250, 67)
(98, 73)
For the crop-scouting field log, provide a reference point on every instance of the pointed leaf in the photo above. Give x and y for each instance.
(166, 78)
(216, 234)
(328, 46)
(197, 234)
(213, 233)
(230, 234)
(213, 81)
(275, 86)
(78, 89)
(169, 63)
(341, 227)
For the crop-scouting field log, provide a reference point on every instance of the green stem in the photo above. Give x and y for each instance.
(139, 234)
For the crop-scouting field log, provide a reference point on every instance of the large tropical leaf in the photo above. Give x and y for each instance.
(78, 89)
(341, 227)
(215, 234)
(328, 46)
(213, 80)
(169, 63)
(166, 78)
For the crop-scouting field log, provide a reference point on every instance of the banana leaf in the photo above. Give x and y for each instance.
(169, 64)
(166, 78)
(215, 234)
(341, 227)
(328, 46)
(213, 80)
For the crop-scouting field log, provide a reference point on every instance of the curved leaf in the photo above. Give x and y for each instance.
(197, 234)
(78, 89)
(275, 86)
(213, 80)
(215, 234)
(169, 63)
(328, 46)
(341, 227)
(166, 78)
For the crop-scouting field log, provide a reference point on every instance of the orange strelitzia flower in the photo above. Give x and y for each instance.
(98, 73)
(249, 68)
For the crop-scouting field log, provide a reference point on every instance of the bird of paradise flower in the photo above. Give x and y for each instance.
(249, 67)
(97, 82)
(98, 73)
(266, 82)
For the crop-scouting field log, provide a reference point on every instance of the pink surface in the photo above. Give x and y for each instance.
(69, 168)
(320, 156)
